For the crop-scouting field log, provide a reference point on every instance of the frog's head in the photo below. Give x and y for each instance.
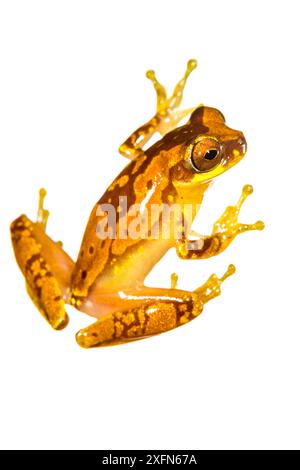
(203, 148)
(216, 147)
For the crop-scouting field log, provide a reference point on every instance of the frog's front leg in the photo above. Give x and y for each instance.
(166, 118)
(45, 265)
(156, 311)
(226, 228)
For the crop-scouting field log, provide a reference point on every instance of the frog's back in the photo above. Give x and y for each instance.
(109, 255)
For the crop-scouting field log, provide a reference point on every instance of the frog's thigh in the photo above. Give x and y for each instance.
(156, 311)
(140, 322)
(46, 267)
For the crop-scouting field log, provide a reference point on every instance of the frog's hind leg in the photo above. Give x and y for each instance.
(166, 118)
(45, 265)
(149, 312)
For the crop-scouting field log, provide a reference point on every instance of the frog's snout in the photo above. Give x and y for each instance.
(242, 145)
(235, 150)
(238, 148)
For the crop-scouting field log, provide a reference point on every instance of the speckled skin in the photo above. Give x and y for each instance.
(107, 280)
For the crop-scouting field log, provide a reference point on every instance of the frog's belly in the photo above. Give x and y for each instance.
(131, 268)
(110, 291)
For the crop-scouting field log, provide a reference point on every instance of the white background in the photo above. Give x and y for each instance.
(72, 88)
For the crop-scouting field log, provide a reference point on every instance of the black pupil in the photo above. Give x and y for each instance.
(211, 154)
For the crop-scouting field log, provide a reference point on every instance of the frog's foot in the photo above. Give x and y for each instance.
(212, 287)
(45, 265)
(228, 226)
(148, 311)
(166, 118)
(42, 214)
(167, 113)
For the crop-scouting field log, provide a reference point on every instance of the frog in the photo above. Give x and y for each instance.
(107, 281)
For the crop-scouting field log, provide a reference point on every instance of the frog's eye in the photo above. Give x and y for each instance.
(205, 154)
(211, 154)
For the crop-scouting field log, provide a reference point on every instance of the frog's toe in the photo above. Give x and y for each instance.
(168, 106)
(212, 287)
(259, 225)
(174, 280)
(43, 214)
